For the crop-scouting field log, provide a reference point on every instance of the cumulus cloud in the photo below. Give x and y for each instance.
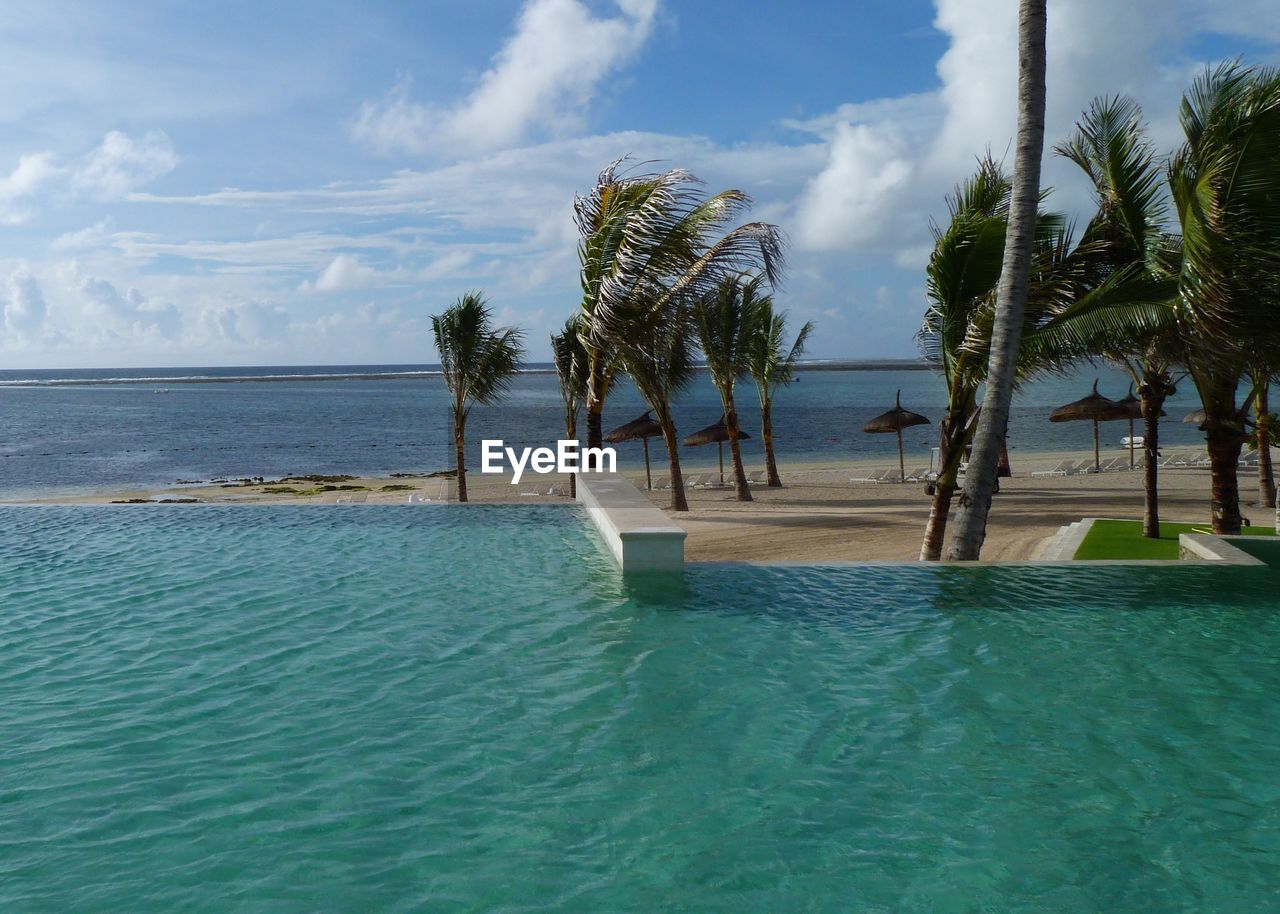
(252, 322)
(32, 173)
(130, 314)
(540, 82)
(25, 311)
(123, 163)
(344, 272)
(847, 203)
(890, 161)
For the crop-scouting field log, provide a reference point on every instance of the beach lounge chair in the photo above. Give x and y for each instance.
(873, 476)
(691, 482)
(756, 478)
(1061, 468)
(1115, 463)
(920, 474)
(1080, 468)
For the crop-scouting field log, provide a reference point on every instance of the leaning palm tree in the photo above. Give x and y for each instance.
(1006, 337)
(960, 278)
(648, 240)
(724, 328)
(658, 358)
(478, 362)
(771, 365)
(571, 364)
(1225, 183)
(961, 282)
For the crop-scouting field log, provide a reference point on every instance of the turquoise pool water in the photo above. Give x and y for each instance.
(462, 709)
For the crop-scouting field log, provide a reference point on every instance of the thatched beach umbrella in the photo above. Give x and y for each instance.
(1196, 417)
(716, 434)
(893, 422)
(1094, 408)
(644, 428)
(1130, 407)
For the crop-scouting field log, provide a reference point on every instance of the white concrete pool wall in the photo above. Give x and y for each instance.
(638, 535)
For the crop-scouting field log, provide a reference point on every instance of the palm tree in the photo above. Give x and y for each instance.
(571, 363)
(724, 328)
(1110, 147)
(478, 363)
(645, 241)
(1225, 183)
(1260, 374)
(962, 274)
(659, 360)
(772, 365)
(961, 283)
(1006, 337)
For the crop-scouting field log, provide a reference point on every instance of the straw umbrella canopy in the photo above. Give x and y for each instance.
(717, 434)
(1130, 407)
(644, 428)
(1094, 408)
(893, 422)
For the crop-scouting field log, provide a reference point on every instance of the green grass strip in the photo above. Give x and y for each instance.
(1123, 540)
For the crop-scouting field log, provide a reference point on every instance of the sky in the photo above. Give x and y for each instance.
(305, 183)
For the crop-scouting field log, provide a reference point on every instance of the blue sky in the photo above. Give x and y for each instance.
(305, 183)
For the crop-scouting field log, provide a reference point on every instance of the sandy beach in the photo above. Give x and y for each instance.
(818, 515)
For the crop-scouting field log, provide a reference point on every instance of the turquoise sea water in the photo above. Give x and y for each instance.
(464, 709)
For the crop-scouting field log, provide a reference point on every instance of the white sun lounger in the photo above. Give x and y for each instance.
(875, 476)
(1061, 468)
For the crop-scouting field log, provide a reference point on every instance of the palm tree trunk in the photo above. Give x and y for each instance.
(936, 530)
(1224, 444)
(1011, 297)
(571, 432)
(678, 501)
(460, 453)
(951, 447)
(1266, 475)
(735, 449)
(1005, 469)
(766, 432)
(595, 400)
(1152, 404)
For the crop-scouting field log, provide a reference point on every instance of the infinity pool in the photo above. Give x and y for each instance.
(462, 709)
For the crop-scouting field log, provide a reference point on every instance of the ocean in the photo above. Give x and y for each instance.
(73, 431)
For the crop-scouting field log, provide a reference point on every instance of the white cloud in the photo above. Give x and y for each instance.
(849, 201)
(344, 272)
(25, 311)
(541, 82)
(130, 314)
(89, 237)
(254, 323)
(33, 172)
(891, 161)
(121, 164)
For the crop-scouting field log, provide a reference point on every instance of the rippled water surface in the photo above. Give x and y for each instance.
(462, 709)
